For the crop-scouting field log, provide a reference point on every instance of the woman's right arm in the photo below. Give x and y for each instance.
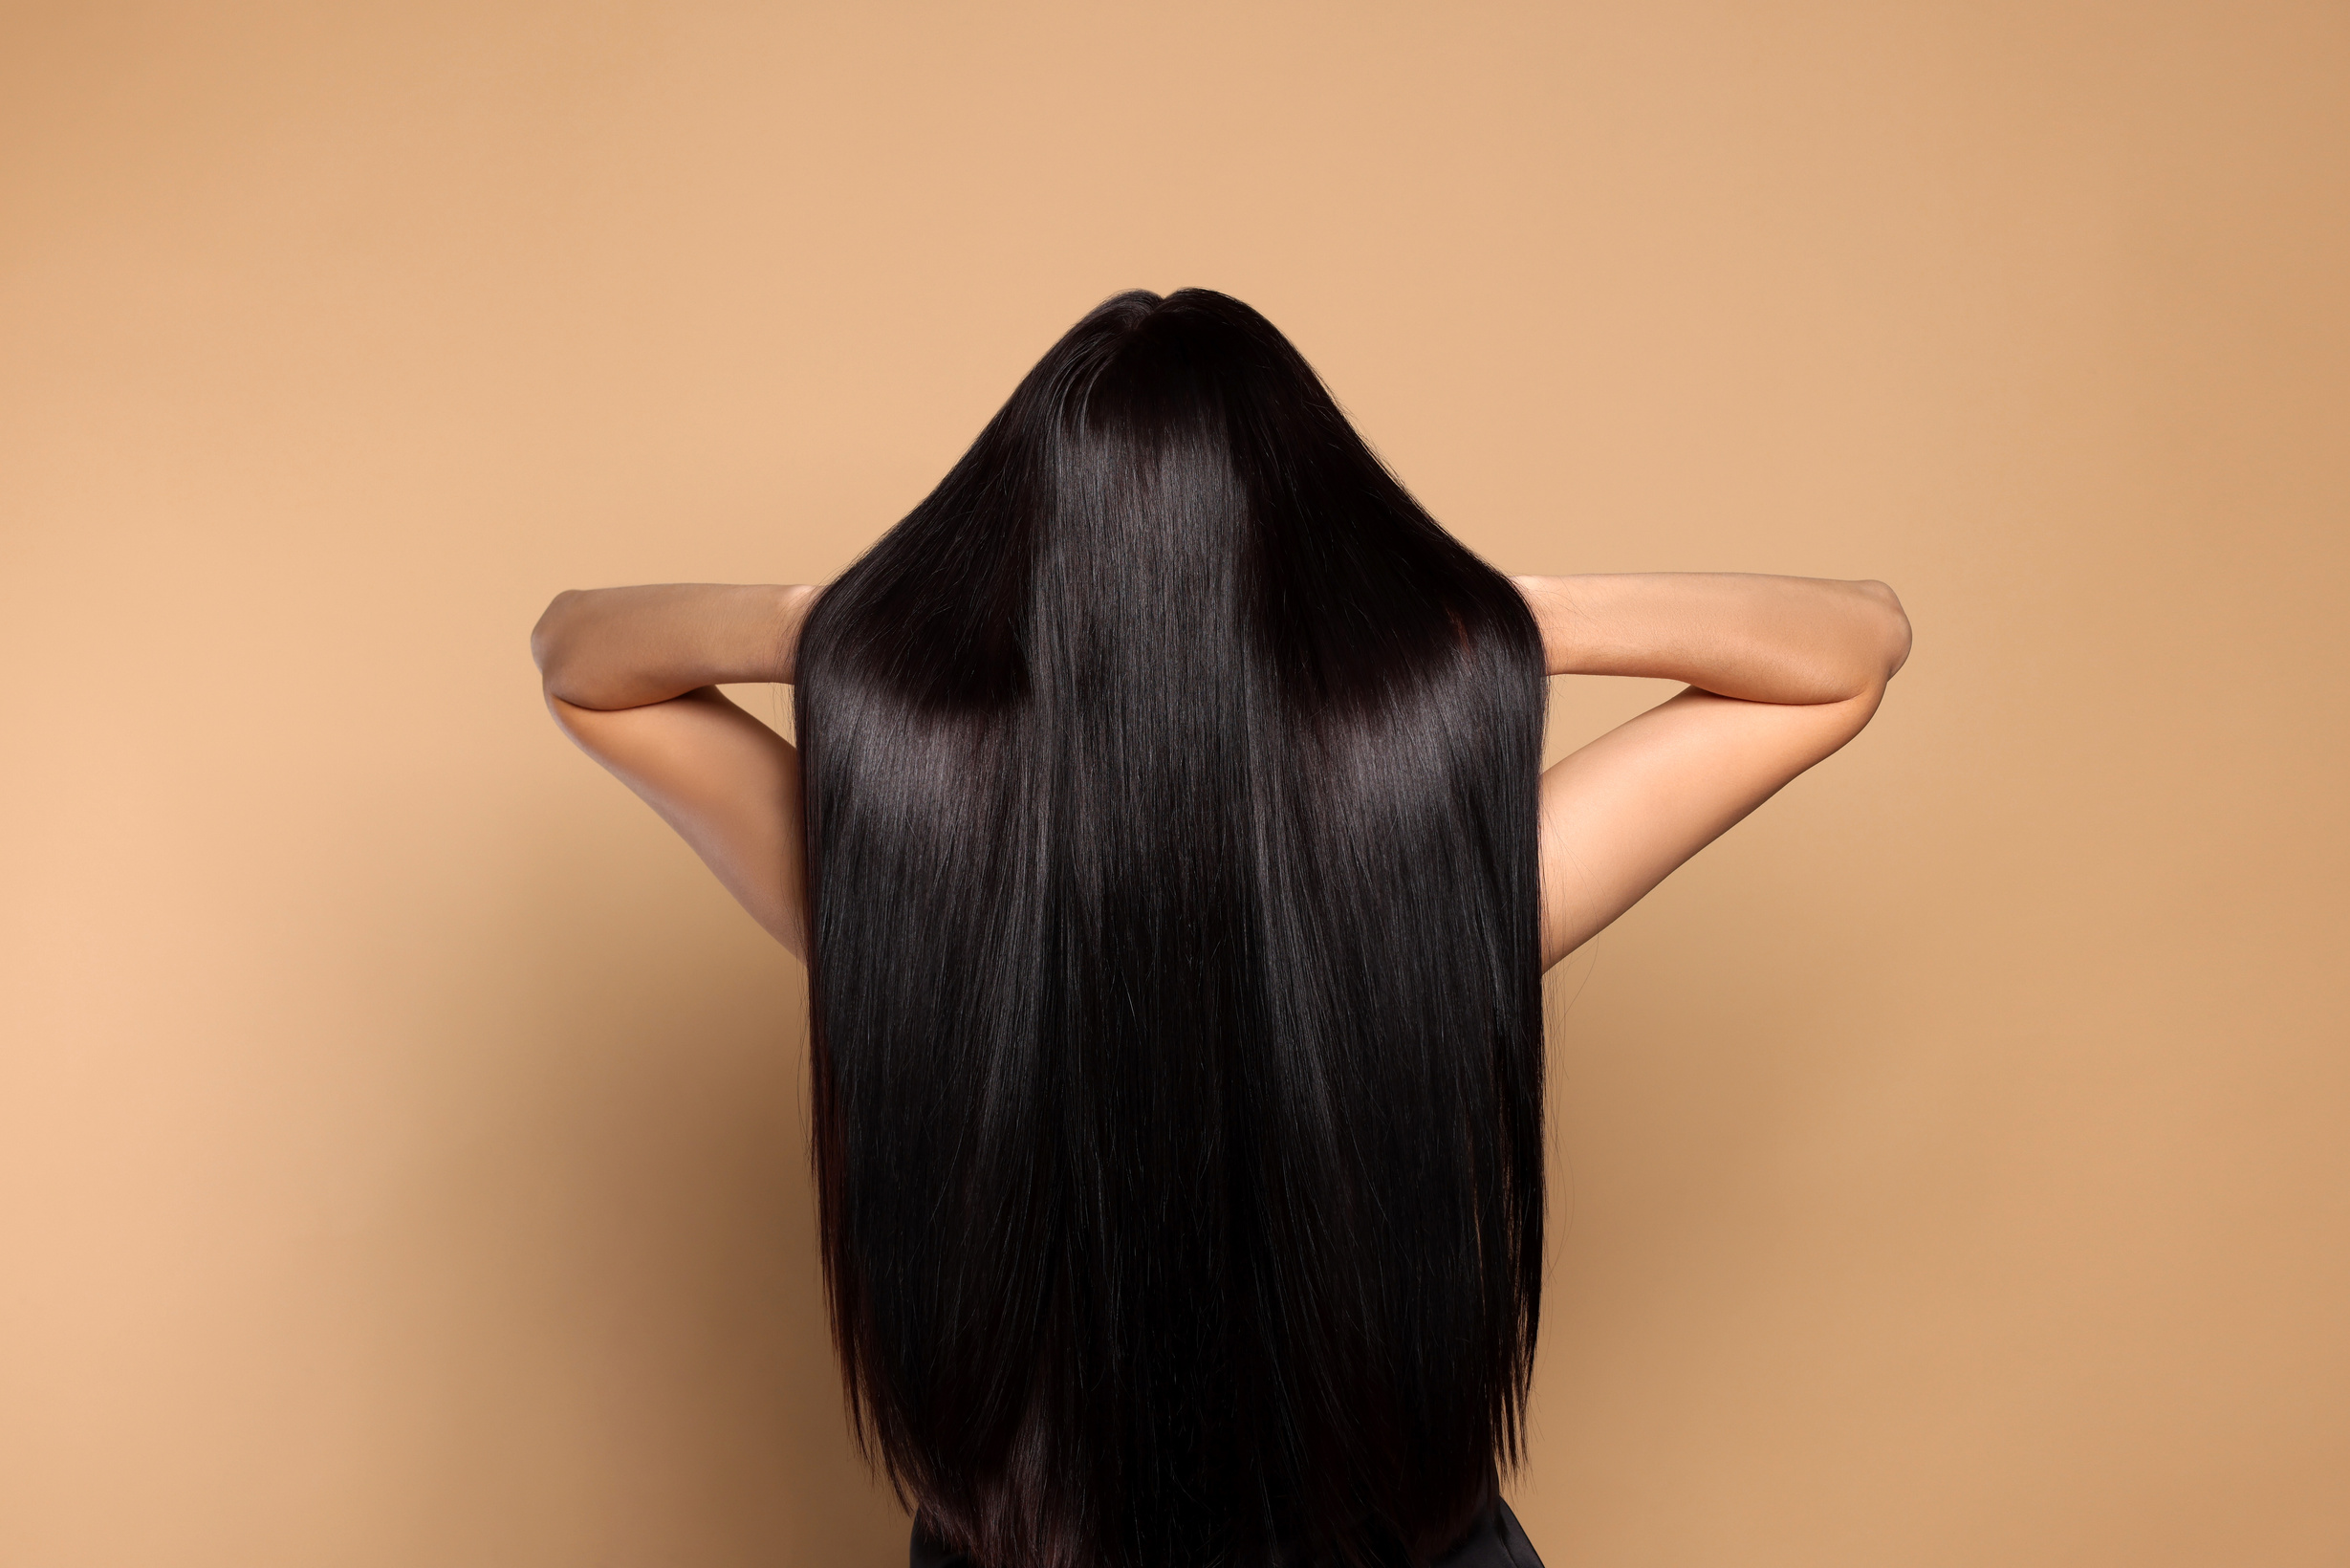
(1782, 671)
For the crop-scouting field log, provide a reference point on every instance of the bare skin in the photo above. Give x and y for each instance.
(1780, 672)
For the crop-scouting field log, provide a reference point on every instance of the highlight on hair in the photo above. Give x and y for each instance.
(1171, 784)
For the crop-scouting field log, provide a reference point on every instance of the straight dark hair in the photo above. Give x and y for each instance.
(1175, 978)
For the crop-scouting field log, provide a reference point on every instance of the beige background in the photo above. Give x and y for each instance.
(399, 1135)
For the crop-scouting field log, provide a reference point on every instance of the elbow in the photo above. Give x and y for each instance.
(548, 642)
(1890, 632)
(1862, 645)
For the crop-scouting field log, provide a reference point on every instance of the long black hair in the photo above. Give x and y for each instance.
(1175, 993)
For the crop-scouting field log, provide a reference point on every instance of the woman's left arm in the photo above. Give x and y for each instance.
(631, 674)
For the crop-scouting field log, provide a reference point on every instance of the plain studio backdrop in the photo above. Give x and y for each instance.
(401, 1133)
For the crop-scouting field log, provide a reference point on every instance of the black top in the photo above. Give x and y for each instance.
(1494, 1540)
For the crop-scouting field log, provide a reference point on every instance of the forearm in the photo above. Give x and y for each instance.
(624, 647)
(1762, 638)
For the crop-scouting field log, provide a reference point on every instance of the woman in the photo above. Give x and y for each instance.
(1175, 875)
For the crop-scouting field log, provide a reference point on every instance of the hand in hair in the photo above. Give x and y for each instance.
(1782, 671)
